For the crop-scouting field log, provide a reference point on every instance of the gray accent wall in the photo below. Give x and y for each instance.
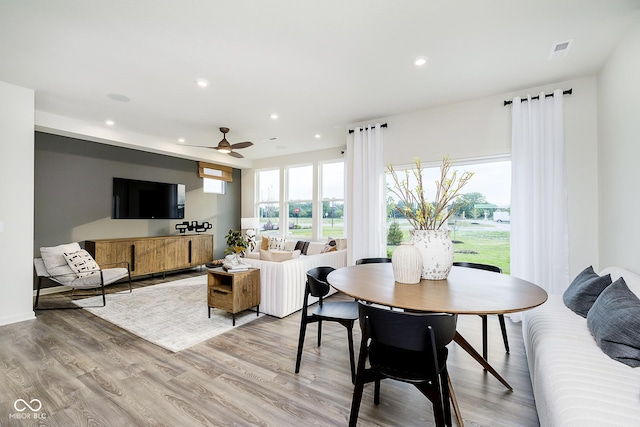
(73, 191)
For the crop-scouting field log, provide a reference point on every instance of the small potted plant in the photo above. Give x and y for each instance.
(427, 217)
(236, 244)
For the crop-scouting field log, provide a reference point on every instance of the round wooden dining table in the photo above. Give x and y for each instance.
(464, 291)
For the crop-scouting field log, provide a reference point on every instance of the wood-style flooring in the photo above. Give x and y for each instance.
(88, 372)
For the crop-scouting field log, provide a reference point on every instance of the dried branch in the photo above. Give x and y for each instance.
(421, 214)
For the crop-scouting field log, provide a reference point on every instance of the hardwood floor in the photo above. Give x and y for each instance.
(88, 372)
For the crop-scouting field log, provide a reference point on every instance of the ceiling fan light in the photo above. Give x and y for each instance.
(224, 150)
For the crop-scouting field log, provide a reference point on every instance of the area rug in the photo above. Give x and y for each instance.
(172, 315)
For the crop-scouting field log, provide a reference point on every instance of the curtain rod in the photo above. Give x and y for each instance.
(524, 98)
(384, 125)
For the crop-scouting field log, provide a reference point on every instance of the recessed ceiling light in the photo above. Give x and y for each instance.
(274, 116)
(317, 135)
(118, 97)
(420, 61)
(110, 122)
(202, 82)
(181, 140)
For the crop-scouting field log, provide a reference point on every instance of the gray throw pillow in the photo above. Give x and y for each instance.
(614, 322)
(583, 291)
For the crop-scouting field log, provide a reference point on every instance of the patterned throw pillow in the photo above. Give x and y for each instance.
(330, 246)
(340, 243)
(82, 263)
(302, 246)
(277, 243)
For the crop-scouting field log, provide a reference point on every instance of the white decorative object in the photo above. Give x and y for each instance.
(436, 248)
(407, 263)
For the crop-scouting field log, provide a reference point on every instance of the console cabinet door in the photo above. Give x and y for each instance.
(110, 252)
(201, 249)
(147, 256)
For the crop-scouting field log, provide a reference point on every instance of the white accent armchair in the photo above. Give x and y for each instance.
(71, 266)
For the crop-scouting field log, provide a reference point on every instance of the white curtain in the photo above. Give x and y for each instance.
(365, 210)
(539, 226)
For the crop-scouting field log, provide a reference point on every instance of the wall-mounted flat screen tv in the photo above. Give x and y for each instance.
(135, 199)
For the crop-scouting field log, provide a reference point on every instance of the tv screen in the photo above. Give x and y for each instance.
(134, 199)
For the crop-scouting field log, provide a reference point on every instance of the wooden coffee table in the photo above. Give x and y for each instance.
(233, 292)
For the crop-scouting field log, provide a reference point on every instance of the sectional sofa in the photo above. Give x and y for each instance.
(574, 382)
(282, 283)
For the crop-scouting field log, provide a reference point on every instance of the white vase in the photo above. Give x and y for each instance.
(407, 263)
(436, 248)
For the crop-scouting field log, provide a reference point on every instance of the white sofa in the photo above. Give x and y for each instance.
(574, 382)
(282, 283)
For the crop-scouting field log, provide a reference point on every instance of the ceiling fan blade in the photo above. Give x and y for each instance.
(197, 145)
(237, 155)
(241, 145)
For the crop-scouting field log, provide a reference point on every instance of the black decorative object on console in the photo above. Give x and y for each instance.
(193, 226)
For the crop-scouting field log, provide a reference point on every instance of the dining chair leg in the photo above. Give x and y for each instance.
(349, 326)
(454, 402)
(319, 332)
(485, 340)
(303, 330)
(357, 395)
(503, 327)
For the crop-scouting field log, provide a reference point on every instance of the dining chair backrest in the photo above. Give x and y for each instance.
(372, 260)
(317, 285)
(407, 330)
(486, 267)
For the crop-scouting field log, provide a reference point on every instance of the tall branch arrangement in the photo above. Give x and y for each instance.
(422, 214)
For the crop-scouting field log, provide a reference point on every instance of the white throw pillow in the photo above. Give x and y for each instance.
(54, 260)
(278, 256)
(82, 263)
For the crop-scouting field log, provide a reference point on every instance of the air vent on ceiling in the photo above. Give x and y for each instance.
(560, 50)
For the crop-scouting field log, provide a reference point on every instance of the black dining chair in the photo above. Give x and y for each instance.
(408, 347)
(503, 327)
(372, 260)
(345, 313)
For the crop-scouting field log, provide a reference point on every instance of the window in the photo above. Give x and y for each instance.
(310, 197)
(300, 201)
(214, 186)
(214, 177)
(332, 197)
(268, 185)
(480, 231)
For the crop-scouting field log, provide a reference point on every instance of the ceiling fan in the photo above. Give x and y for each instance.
(225, 147)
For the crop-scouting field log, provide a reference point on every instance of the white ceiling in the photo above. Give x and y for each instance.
(321, 65)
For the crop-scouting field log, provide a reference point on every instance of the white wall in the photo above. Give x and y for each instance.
(482, 128)
(619, 154)
(16, 193)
